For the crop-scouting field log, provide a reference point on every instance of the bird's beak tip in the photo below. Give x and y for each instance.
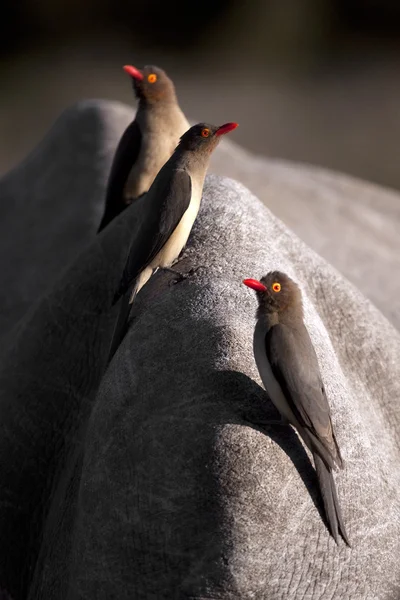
(133, 72)
(226, 128)
(254, 284)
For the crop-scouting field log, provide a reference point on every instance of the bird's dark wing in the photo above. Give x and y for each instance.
(125, 157)
(295, 366)
(166, 202)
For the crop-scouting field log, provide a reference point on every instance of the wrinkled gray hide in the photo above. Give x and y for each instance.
(353, 224)
(154, 480)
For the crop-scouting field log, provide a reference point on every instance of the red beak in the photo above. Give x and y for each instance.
(255, 285)
(226, 128)
(133, 72)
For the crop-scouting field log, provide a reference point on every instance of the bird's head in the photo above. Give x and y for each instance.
(276, 292)
(151, 84)
(203, 138)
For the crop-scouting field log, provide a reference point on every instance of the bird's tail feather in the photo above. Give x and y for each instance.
(101, 226)
(120, 328)
(330, 500)
(106, 219)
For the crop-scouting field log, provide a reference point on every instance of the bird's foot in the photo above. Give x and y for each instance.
(194, 270)
(180, 276)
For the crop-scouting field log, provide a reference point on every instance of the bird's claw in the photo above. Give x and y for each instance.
(194, 270)
(180, 276)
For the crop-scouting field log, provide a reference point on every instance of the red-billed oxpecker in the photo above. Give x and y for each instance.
(148, 141)
(289, 370)
(170, 209)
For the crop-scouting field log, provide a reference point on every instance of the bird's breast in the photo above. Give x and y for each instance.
(157, 145)
(150, 160)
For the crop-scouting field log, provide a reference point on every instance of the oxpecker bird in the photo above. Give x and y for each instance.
(148, 141)
(169, 211)
(289, 370)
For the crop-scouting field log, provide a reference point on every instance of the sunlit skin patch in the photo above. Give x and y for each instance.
(152, 78)
(276, 287)
(205, 132)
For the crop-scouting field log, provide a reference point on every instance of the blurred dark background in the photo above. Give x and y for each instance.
(309, 80)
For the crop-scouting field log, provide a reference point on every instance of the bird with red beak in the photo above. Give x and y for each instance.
(148, 141)
(289, 370)
(170, 209)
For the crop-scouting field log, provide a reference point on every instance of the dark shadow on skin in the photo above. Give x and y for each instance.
(57, 406)
(193, 532)
(252, 406)
(133, 200)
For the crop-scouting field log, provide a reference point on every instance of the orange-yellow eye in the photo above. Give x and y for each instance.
(276, 287)
(205, 132)
(152, 78)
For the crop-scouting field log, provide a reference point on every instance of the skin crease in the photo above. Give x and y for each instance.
(290, 373)
(173, 202)
(147, 143)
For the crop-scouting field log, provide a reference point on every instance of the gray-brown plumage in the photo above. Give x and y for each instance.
(148, 141)
(169, 211)
(289, 370)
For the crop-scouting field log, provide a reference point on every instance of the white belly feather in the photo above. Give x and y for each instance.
(147, 166)
(177, 241)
